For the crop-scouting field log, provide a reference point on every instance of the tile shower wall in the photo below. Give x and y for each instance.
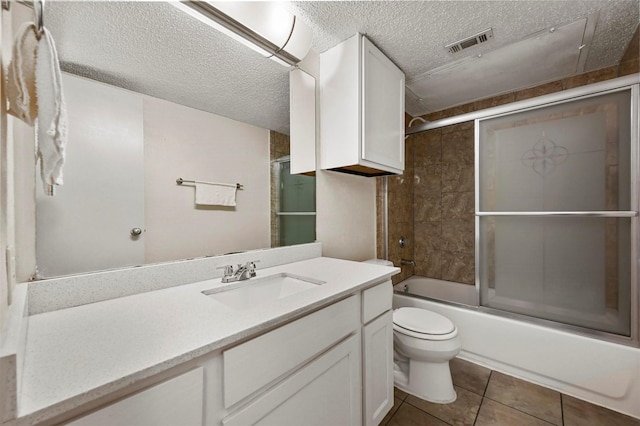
(443, 203)
(432, 203)
(278, 147)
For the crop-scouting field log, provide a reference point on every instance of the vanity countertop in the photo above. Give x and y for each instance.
(76, 355)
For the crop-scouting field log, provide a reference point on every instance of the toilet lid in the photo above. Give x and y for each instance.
(422, 321)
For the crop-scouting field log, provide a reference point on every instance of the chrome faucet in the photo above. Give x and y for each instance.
(241, 273)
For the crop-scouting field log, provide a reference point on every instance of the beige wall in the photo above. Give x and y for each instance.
(192, 144)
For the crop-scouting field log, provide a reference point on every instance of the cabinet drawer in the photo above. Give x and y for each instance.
(376, 300)
(175, 402)
(258, 362)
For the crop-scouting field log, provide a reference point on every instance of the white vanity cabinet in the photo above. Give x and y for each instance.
(362, 110)
(332, 366)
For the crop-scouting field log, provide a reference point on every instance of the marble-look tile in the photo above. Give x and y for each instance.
(459, 205)
(458, 178)
(429, 264)
(581, 413)
(427, 181)
(590, 77)
(458, 267)
(458, 235)
(396, 404)
(428, 237)
(631, 66)
(428, 148)
(495, 101)
(409, 152)
(524, 396)
(408, 415)
(462, 411)
(495, 414)
(460, 127)
(399, 394)
(543, 89)
(469, 376)
(427, 208)
(457, 147)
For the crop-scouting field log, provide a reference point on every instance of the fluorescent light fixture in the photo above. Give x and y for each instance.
(267, 28)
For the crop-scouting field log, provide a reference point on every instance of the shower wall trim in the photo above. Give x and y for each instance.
(595, 88)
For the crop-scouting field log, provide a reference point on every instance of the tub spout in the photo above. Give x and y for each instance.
(407, 262)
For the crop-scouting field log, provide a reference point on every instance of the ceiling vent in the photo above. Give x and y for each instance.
(465, 43)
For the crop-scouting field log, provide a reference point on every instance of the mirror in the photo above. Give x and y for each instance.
(154, 95)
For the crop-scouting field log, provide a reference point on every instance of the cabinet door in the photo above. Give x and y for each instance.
(383, 109)
(175, 402)
(325, 392)
(378, 368)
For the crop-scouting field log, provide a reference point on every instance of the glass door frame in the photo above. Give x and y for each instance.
(568, 96)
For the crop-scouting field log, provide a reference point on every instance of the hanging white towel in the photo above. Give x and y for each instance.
(52, 113)
(21, 75)
(215, 194)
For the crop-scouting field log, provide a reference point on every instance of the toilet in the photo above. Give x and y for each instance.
(423, 343)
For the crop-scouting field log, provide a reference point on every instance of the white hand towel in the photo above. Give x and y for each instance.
(21, 75)
(52, 113)
(215, 194)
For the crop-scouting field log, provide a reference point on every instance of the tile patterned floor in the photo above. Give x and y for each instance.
(490, 398)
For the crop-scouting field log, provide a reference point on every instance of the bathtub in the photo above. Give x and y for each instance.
(604, 373)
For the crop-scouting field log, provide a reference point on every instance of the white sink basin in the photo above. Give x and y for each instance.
(254, 292)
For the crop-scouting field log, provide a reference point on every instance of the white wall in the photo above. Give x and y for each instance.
(345, 204)
(196, 145)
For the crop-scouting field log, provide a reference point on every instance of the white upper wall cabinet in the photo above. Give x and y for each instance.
(362, 110)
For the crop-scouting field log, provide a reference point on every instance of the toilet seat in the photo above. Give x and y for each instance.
(423, 324)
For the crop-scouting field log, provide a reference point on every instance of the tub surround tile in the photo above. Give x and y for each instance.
(428, 148)
(459, 205)
(430, 264)
(458, 235)
(428, 181)
(458, 267)
(457, 147)
(461, 412)
(458, 178)
(495, 414)
(527, 397)
(629, 67)
(427, 208)
(428, 236)
(469, 376)
(579, 413)
(543, 89)
(408, 415)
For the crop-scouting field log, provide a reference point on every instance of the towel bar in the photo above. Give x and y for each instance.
(180, 181)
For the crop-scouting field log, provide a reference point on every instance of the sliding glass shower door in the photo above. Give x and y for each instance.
(556, 212)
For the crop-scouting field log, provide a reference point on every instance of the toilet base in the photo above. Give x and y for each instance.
(429, 381)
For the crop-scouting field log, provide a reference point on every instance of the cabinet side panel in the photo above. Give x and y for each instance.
(302, 93)
(340, 104)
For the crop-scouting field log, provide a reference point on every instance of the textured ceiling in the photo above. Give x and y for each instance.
(153, 48)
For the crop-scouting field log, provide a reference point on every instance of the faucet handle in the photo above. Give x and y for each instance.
(228, 270)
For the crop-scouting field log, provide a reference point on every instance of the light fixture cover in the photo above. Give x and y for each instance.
(266, 27)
